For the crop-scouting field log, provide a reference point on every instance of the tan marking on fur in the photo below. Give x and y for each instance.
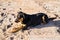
(43, 18)
(21, 20)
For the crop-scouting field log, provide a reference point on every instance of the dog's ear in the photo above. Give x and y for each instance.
(21, 13)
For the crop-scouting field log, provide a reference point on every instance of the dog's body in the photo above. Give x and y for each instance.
(32, 20)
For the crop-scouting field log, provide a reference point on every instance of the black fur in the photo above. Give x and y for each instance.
(32, 20)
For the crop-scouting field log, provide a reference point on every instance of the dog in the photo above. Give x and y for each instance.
(32, 20)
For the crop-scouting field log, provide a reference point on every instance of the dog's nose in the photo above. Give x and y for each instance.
(16, 21)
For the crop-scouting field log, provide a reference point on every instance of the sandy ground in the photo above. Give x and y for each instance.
(10, 8)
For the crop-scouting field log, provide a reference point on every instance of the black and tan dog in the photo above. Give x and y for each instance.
(32, 20)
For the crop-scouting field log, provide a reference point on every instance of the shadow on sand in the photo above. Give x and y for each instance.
(50, 24)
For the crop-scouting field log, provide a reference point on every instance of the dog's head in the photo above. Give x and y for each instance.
(20, 17)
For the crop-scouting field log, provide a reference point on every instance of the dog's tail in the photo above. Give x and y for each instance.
(52, 18)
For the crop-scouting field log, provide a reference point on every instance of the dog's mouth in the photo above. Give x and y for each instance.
(19, 20)
(16, 21)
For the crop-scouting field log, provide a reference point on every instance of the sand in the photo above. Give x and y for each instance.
(8, 13)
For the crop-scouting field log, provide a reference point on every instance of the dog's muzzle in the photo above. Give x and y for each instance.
(16, 21)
